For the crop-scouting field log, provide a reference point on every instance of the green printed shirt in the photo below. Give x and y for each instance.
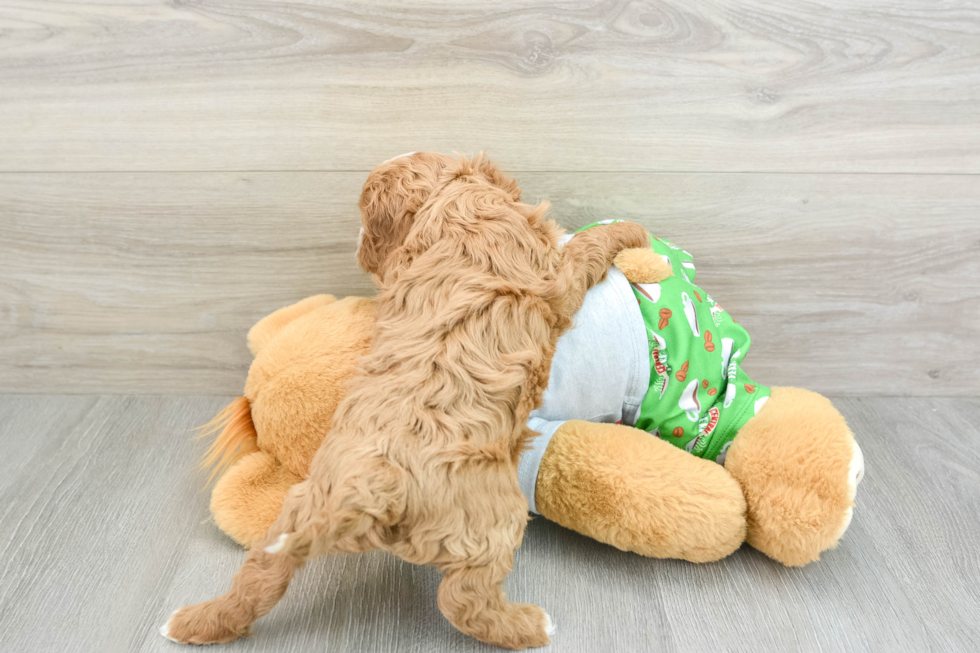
(699, 396)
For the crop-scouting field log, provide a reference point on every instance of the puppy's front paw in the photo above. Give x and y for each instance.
(202, 624)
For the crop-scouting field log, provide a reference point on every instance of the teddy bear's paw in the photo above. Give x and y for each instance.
(642, 265)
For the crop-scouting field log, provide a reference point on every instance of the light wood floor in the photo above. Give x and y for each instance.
(105, 531)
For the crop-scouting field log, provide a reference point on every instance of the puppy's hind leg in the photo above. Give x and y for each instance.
(255, 590)
(472, 599)
(471, 595)
(312, 522)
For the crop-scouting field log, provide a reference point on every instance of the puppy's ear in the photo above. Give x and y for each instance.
(392, 194)
(383, 220)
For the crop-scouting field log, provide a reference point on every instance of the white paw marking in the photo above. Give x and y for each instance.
(165, 629)
(278, 545)
(549, 626)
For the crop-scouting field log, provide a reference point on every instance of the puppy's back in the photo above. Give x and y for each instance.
(465, 331)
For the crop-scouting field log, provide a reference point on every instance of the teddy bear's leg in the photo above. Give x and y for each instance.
(267, 328)
(799, 467)
(627, 488)
(248, 497)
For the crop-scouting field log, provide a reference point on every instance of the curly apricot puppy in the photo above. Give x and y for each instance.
(421, 460)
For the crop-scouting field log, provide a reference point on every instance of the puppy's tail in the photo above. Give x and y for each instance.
(236, 437)
(375, 498)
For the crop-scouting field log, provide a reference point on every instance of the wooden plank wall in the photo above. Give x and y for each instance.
(170, 172)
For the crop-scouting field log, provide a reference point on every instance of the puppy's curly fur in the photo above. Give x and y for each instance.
(422, 455)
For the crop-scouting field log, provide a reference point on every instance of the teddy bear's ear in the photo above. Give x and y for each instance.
(392, 194)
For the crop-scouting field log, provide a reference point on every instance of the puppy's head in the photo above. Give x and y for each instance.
(397, 189)
(392, 195)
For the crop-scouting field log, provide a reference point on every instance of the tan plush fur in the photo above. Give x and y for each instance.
(623, 487)
(642, 265)
(574, 488)
(792, 463)
(305, 355)
(236, 436)
(248, 498)
(420, 459)
(302, 387)
(270, 326)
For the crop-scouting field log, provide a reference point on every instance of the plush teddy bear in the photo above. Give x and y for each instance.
(710, 459)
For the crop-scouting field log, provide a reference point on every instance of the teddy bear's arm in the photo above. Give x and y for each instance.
(625, 487)
(642, 265)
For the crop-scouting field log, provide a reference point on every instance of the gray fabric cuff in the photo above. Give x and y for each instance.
(527, 466)
(638, 345)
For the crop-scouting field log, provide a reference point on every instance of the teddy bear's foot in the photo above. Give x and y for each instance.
(799, 467)
(247, 499)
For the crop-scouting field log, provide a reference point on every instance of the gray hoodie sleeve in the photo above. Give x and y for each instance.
(527, 467)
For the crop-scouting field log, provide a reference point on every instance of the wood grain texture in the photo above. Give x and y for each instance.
(106, 531)
(147, 283)
(719, 85)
